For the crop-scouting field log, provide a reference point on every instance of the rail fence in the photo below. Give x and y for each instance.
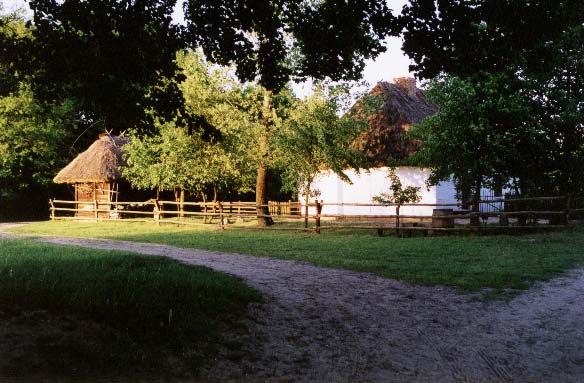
(523, 214)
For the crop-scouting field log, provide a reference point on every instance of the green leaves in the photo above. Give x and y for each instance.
(315, 138)
(112, 56)
(399, 195)
(33, 139)
(275, 41)
(474, 135)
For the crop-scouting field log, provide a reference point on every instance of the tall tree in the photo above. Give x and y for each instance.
(33, 147)
(556, 89)
(479, 136)
(273, 41)
(469, 37)
(314, 139)
(521, 50)
(112, 56)
(34, 135)
(15, 45)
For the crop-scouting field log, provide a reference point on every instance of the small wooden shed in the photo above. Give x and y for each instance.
(95, 174)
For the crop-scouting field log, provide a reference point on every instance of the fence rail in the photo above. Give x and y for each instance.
(516, 214)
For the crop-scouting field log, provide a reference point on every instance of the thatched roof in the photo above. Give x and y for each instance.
(403, 106)
(99, 163)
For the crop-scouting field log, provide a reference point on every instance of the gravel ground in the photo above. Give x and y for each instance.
(327, 325)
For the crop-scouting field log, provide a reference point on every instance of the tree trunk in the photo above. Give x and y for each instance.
(475, 219)
(261, 180)
(397, 219)
(181, 204)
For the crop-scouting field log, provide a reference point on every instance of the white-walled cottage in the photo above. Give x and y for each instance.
(403, 106)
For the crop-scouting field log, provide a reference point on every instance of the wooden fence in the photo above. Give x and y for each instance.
(517, 214)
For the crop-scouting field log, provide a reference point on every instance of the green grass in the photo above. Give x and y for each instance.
(469, 263)
(152, 303)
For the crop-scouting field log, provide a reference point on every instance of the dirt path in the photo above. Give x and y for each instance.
(326, 325)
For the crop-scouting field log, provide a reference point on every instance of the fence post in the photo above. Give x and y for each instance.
(52, 209)
(221, 221)
(397, 223)
(317, 217)
(568, 207)
(503, 219)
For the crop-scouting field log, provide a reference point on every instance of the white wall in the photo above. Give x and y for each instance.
(367, 184)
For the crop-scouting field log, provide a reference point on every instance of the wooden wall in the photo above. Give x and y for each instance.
(87, 194)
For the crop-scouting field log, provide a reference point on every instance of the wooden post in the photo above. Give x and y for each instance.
(95, 201)
(503, 219)
(306, 212)
(317, 218)
(52, 209)
(221, 221)
(397, 220)
(568, 206)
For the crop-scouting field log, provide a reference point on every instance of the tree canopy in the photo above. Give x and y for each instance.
(273, 41)
(111, 56)
(315, 138)
(467, 37)
(508, 82)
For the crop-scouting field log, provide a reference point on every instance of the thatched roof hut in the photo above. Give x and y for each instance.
(403, 105)
(99, 163)
(95, 174)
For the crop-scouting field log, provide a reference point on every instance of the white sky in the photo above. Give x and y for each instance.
(387, 66)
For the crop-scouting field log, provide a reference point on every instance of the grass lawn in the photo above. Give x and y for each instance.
(149, 306)
(469, 263)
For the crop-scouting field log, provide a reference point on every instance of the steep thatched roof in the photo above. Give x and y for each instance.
(99, 163)
(403, 106)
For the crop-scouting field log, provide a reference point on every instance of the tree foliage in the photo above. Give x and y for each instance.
(274, 41)
(34, 140)
(479, 136)
(314, 138)
(466, 37)
(15, 43)
(398, 194)
(111, 56)
(556, 89)
(178, 157)
(508, 82)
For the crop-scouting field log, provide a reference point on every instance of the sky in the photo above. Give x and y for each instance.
(393, 63)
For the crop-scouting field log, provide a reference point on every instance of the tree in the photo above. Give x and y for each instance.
(398, 194)
(314, 138)
(469, 37)
(479, 136)
(232, 110)
(274, 41)
(34, 140)
(556, 89)
(111, 56)
(521, 64)
(15, 41)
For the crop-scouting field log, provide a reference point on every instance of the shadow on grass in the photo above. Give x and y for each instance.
(79, 312)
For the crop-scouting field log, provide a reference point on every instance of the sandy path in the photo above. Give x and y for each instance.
(326, 325)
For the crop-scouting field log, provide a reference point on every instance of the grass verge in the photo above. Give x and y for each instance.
(144, 308)
(469, 263)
